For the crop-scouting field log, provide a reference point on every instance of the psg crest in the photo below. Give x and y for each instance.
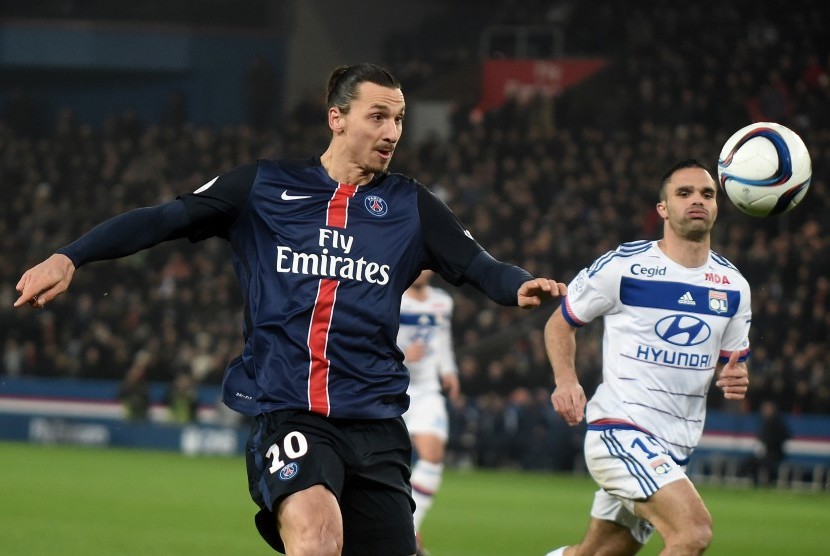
(289, 471)
(375, 205)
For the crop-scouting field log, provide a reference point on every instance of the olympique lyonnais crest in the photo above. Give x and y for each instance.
(718, 301)
(661, 466)
(375, 205)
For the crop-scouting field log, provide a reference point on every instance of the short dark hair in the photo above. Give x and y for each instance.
(681, 164)
(344, 81)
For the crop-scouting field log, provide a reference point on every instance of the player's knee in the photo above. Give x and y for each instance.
(703, 531)
(695, 537)
(309, 545)
(313, 537)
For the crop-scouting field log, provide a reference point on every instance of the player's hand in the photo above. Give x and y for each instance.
(451, 386)
(44, 282)
(533, 292)
(733, 378)
(569, 401)
(415, 351)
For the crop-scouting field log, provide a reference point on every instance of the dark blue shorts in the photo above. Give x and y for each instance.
(364, 462)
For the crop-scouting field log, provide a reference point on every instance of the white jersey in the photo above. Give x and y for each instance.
(666, 326)
(428, 321)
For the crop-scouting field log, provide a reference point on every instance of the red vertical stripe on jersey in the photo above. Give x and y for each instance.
(338, 212)
(318, 333)
(318, 339)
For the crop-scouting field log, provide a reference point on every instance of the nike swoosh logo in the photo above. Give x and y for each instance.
(286, 197)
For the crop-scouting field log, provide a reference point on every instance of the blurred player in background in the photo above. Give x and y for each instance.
(324, 249)
(425, 337)
(676, 314)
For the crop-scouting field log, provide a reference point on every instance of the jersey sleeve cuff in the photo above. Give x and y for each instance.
(743, 355)
(569, 315)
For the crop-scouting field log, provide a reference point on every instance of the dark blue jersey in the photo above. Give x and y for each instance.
(322, 267)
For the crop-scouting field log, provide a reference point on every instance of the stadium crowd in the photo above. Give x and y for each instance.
(546, 182)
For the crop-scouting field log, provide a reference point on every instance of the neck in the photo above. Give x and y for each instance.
(685, 252)
(342, 170)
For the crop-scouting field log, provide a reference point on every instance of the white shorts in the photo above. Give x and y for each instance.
(427, 414)
(629, 465)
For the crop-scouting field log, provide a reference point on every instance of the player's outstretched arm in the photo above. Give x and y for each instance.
(508, 284)
(119, 236)
(533, 292)
(568, 397)
(733, 378)
(44, 282)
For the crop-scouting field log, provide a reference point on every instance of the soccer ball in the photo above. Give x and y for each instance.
(765, 169)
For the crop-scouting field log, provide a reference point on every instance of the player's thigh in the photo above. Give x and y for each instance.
(290, 452)
(606, 538)
(614, 517)
(675, 509)
(629, 464)
(312, 513)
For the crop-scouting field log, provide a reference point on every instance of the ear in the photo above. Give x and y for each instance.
(662, 210)
(336, 122)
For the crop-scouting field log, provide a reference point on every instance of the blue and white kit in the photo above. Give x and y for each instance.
(428, 321)
(666, 327)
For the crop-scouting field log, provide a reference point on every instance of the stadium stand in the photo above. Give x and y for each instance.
(547, 182)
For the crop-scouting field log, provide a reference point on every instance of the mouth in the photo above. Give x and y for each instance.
(697, 214)
(386, 153)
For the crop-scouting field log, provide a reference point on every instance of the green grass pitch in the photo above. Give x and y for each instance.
(77, 501)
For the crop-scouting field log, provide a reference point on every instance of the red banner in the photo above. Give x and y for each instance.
(503, 78)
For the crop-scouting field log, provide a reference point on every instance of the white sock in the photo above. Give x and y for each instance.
(558, 552)
(426, 478)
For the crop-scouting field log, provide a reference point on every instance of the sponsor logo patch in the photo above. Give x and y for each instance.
(683, 330)
(686, 299)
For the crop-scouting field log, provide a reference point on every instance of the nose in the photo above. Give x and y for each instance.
(392, 131)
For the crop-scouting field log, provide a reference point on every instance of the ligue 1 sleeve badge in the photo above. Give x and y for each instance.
(376, 205)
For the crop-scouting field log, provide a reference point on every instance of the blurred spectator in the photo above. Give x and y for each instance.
(182, 399)
(772, 438)
(135, 389)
